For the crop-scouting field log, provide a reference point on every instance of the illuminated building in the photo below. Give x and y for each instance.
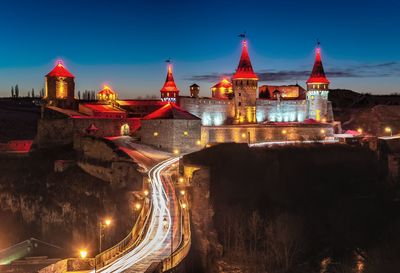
(171, 128)
(169, 92)
(106, 94)
(222, 90)
(194, 91)
(60, 87)
(317, 90)
(245, 88)
(232, 112)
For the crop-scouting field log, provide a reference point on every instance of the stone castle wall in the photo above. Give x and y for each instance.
(171, 134)
(210, 111)
(281, 110)
(54, 132)
(101, 158)
(262, 133)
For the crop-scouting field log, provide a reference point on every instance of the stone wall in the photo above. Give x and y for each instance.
(171, 134)
(281, 110)
(101, 158)
(261, 133)
(210, 111)
(54, 132)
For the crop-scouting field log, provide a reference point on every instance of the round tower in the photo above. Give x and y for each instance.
(317, 90)
(244, 84)
(60, 87)
(169, 92)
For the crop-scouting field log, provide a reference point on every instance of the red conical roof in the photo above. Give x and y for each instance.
(169, 85)
(318, 73)
(245, 69)
(60, 71)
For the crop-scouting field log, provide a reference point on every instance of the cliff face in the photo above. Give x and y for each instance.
(59, 208)
(101, 158)
(283, 209)
(205, 240)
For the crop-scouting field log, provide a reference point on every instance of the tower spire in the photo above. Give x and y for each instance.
(244, 69)
(169, 91)
(318, 73)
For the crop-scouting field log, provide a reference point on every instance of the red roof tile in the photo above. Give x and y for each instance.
(170, 111)
(106, 91)
(60, 71)
(169, 85)
(245, 69)
(318, 73)
(225, 83)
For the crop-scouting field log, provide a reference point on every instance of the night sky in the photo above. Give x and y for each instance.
(125, 43)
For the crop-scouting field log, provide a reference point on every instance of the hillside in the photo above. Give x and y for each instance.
(284, 209)
(18, 119)
(372, 113)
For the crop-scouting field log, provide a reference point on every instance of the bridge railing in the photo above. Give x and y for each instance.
(184, 246)
(129, 242)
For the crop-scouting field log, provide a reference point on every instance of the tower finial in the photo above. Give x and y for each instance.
(242, 35)
(318, 42)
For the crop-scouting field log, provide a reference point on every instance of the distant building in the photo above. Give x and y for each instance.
(222, 90)
(280, 112)
(194, 90)
(283, 92)
(171, 128)
(60, 87)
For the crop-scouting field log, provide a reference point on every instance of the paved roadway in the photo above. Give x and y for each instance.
(156, 244)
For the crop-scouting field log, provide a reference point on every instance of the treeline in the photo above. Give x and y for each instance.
(16, 93)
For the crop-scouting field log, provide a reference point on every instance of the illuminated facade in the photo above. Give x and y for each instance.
(317, 91)
(245, 83)
(222, 90)
(60, 87)
(169, 92)
(106, 94)
(276, 103)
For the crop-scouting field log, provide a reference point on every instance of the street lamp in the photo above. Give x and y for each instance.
(83, 253)
(389, 130)
(103, 224)
(360, 130)
(137, 206)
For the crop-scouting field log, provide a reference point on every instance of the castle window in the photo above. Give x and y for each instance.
(313, 86)
(240, 104)
(240, 94)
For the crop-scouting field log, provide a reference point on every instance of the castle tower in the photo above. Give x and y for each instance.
(194, 90)
(244, 83)
(169, 92)
(60, 87)
(317, 90)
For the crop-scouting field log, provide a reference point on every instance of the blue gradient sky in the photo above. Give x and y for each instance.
(124, 43)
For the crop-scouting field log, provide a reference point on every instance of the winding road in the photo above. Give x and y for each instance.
(156, 244)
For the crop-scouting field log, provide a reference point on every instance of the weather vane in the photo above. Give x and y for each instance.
(242, 35)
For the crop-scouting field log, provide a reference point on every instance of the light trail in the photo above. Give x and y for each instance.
(156, 234)
(286, 142)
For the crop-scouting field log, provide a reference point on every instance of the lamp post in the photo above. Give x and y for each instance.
(389, 130)
(83, 253)
(103, 224)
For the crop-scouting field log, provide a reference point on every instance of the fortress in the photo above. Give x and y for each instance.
(237, 111)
